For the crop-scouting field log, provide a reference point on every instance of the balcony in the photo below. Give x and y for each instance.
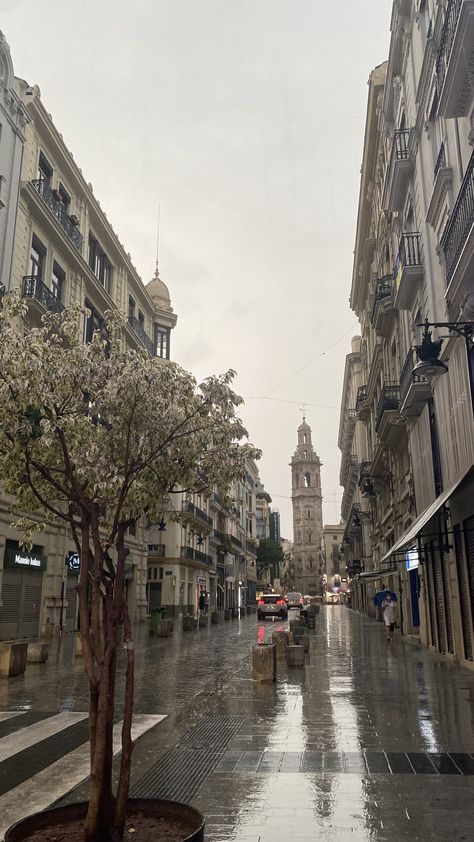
(399, 171)
(408, 270)
(36, 291)
(362, 404)
(195, 512)
(218, 503)
(191, 554)
(382, 307)
(156, 551)
(388, 422)
(458, 240)
(236, 542)
(141, 334)
(251, 548)
(59, 211)
(455, 60)
(414, 390)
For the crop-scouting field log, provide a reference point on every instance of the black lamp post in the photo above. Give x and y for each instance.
(428, 352)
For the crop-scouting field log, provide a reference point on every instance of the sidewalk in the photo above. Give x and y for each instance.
(372, 741)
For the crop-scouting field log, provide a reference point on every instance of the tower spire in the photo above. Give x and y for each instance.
(157, 271)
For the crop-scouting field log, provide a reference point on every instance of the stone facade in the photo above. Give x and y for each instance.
(307, 512)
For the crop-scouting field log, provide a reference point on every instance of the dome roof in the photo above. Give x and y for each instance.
(158, 290)
(304, 427)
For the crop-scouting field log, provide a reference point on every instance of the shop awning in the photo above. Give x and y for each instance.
(372, 575)
(423, 519)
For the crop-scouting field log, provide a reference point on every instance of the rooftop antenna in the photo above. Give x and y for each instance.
(303, 410)
(157, 271)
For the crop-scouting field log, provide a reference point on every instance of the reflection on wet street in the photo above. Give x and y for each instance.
(371, 741)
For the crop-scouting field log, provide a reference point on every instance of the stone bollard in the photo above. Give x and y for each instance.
(311, 621)
(162, 629)
(13, 658)
(169, 625)
(235, 613)
(280, 639)
(203, 621)
(306, 642)
(78, 648)
(216, 617)
(37, 652)
(264, 662)
(242, 610)
(298, 637)
(295, 624)
(227, 613)
(295, 656)
(189, 622)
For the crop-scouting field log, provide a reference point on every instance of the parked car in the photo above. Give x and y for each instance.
(271, 605)
(294, 600)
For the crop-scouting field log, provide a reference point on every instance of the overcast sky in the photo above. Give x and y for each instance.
(244, 121)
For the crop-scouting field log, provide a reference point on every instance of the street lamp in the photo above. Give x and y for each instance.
(429, 365)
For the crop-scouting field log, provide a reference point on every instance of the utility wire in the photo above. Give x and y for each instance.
(284, 382)
(282, 400)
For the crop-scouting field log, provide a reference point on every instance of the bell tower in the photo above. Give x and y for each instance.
(307, 512)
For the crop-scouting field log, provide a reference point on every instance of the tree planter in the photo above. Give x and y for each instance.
(152, 820)
(13, 658)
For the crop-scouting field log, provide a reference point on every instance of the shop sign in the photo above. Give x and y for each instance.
(17, 558)
(73, 562)
(412, 559)
(201, 580)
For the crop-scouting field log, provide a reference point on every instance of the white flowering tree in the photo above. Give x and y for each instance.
(99, 436)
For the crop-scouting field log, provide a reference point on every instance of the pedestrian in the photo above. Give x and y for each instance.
(202, 602)
(388, 611)
(206, 602)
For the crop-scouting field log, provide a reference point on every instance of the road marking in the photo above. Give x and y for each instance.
(10, 714)
(26, 737)
(57, 779)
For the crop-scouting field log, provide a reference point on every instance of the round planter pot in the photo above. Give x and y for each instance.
(189, 822)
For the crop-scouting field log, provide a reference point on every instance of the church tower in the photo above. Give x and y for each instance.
(307, 512)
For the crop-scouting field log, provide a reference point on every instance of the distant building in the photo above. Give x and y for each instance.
(275, 526)
(333, 564)
(262, 511)
(307, 512)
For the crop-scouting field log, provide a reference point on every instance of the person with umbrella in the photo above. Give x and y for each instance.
(386, 601)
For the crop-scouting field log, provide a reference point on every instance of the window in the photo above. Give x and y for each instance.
(45, 170)
(132, 529)
(37, 257)
(307, 480)
(131, 307)
(64, 196)
(141, 319)
(310, 537)
(93, 323)
(99, 263)
(57, 281)
(162, 344)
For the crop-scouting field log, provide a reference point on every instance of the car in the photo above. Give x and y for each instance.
(332, 598)
(294, 600)
(271, 605)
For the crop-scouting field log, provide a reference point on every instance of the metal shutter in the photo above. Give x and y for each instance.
(439, 597)
(10, 610)
(31, 604)
(464, 594)
(469, 550)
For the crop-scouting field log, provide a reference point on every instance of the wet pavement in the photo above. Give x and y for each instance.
(371, 741)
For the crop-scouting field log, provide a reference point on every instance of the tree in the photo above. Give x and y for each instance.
(99, 436)
(269, 554)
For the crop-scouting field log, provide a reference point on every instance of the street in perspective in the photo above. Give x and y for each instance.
(237, 421)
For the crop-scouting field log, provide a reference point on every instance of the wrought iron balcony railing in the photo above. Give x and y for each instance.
(441, 160)
(59, 210)
(157, 550)
(408, 379)
(251, 548)
(196, 512)
(382, 290)
(446, 42)
(195, 555)
(142, 335)
(236, 541)
(388, 402)
(361, 399)
(460, 223)
(400, 148)
(34, 288)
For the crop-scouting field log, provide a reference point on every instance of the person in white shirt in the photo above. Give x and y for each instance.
(388, 610)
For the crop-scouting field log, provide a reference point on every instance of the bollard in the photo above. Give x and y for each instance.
(264, 662)
(78, 646)
(37, 652)
(311, 621)
(280, 639)
(227, 613)
(217, 617)
(296, 623)
(162, 629)
(298, 637)
(306, 642)
(242, 610)
(295, 656)
(13, 658)
(189, 622)
(203, 621)
(169, 626)
(235, 613)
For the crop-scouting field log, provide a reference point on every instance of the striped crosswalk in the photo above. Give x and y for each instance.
(43, 761)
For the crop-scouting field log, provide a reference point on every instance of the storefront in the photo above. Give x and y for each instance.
(70, 613)
(22, 585)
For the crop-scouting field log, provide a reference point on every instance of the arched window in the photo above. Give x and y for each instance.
(307, 480)
(304, 439)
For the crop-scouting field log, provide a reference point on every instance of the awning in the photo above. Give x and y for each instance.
(372, 575)
(423, 519)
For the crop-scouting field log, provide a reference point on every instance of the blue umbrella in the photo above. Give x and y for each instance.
(381, 595)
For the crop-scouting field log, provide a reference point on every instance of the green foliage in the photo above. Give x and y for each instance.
(269, 552)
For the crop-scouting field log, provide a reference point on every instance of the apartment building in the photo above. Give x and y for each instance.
(407, 434)
(65, 251)
(208, 544)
